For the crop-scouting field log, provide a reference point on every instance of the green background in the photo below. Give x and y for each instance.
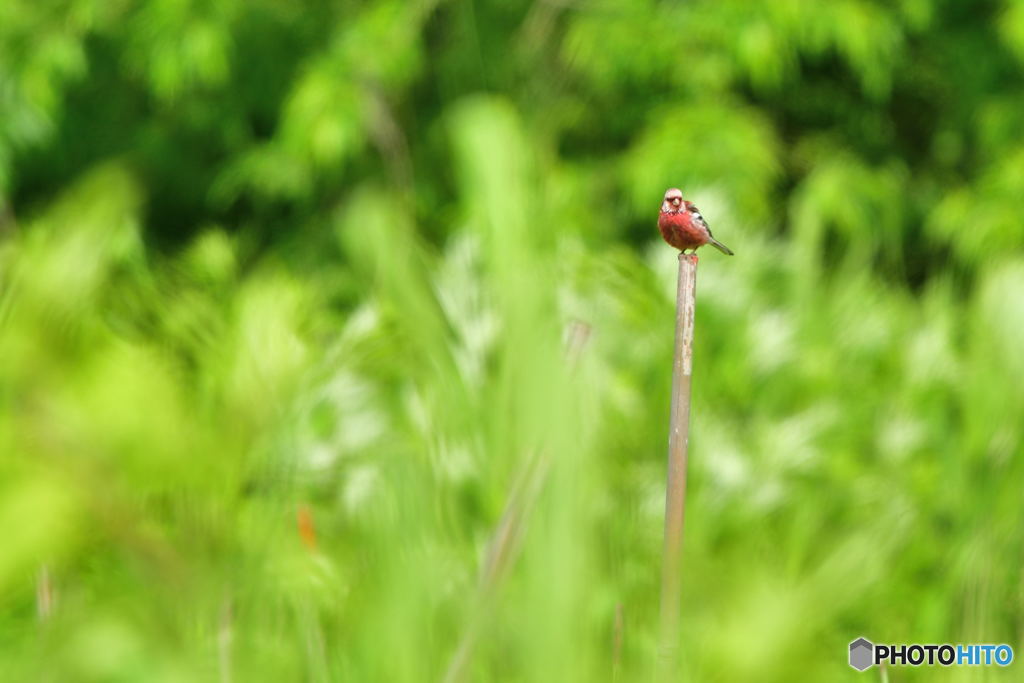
(268, 264)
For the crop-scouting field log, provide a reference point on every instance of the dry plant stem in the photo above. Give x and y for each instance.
(675, 492)
(46, 595)
(617, 642)
(225, 635)
(501, 554)
(506, 540)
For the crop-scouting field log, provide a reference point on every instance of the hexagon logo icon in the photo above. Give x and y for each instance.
(861, 651)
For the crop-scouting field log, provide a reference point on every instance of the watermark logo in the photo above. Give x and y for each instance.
(861, 654)
(864, 654)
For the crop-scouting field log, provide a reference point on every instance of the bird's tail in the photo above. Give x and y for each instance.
(720, 247)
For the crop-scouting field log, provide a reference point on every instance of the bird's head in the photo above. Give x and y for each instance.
(673, 199)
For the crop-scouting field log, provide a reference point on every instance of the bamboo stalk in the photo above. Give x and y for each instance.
(675, 491)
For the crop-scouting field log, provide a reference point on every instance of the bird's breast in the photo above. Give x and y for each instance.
(678, 229)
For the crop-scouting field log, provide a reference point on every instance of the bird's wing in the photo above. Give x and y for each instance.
(698, 218)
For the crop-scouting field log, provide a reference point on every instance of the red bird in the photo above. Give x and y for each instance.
(683, 227)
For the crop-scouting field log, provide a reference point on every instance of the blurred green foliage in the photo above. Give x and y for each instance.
(263, 263)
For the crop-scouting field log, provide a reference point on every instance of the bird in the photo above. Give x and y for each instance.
(683, 227)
